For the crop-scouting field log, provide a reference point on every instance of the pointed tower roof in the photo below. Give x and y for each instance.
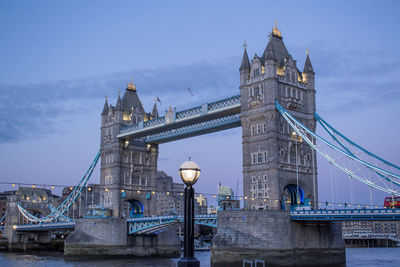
(130, 100)
(105, 109)
(245, 60)
(307, 65)
(276, 49)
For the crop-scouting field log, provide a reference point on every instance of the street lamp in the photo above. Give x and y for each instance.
(189, 172)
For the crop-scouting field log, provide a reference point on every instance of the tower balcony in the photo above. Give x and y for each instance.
(293, 103)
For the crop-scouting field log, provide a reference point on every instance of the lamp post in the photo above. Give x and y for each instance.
(189, 172)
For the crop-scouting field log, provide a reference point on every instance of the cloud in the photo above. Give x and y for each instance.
(346, 78)
(352, 78)
(31, 110)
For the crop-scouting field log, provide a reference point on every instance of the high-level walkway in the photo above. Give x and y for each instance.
(206, 118)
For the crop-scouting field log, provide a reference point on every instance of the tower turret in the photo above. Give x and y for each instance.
(105, 108)
(118, 108)
(308, 72)
(270, 61)
(309, 79)
(244, 66)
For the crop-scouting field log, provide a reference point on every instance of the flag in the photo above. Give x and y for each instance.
(158, 99)
(190, 91)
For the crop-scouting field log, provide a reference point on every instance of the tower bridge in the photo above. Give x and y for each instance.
(276, 110)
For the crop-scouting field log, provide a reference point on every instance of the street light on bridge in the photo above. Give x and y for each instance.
(189, 172)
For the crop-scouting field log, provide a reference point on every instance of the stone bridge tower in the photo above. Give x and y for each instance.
(273, 157)
(128, 168)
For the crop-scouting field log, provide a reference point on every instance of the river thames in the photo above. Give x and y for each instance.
(383, 257)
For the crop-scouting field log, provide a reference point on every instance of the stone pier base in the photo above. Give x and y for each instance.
(271, 236)
(108, 236)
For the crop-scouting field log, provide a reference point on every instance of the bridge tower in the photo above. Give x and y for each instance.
(274, 158)
(128, 168)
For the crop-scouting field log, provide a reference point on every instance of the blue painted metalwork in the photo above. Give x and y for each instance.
(304, 132)
(292, 189)
(195, 129)
(62, 216)
(60, 210)
(2, 218)
(329, 129)
(147, 225)
(346, 215)
(136, 208)
(323, 122)
(204, 113)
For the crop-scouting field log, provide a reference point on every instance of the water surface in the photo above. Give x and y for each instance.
(366, 257)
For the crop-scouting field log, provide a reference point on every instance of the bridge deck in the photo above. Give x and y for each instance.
(44, 226)
(209, 117)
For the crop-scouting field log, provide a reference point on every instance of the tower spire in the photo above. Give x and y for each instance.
(245, 65)
(105, 109)
(119, 102)
(308, 68)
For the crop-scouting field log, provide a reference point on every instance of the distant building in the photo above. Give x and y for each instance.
(200, 206)
(376, 227)
(36, 201)
(89, 196)
(224, 192)
(371, 233)
(226, 198)
(169, 195)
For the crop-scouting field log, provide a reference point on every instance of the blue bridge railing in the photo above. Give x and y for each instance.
(154, 224)
(346, 215)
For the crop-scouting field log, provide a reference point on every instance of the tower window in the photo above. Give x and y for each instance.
(260, 157)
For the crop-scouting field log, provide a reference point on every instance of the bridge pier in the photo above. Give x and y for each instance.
(109, 236)
(271, 236)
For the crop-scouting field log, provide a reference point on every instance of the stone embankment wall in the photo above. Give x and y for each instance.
(108, 236)
(272, 237)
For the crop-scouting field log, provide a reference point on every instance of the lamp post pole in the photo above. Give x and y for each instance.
(189, 173)
(188, 251)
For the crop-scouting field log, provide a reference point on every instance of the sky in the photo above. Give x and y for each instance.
(60, 59)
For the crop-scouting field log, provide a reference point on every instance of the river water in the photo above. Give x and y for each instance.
(382, 257)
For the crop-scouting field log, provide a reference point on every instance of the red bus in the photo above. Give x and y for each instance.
(392, 202)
